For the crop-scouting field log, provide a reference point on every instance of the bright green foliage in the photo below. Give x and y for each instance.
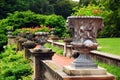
(55, 49)
(92, 10)
(57, 22)
(109, 45)
(112, 22)
(12, 65)
(31, 30)
(111, 69)
(28, 19)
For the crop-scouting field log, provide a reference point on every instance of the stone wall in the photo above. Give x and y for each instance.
(106, 58)
(100, 56)
(46, 69)
(52, 71)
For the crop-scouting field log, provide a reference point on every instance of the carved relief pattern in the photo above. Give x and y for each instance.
(84, 29)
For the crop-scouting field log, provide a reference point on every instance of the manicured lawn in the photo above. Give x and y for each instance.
(109, 45)
(111, 69)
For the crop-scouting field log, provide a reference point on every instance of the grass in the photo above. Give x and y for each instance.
(109, 45)
(111, 69)
(55, 49)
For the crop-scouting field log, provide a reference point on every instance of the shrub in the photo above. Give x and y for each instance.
(18, 66)
(92, 10)
(18, 20)
(57, 22)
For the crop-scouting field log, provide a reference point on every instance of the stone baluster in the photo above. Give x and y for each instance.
(67, 50)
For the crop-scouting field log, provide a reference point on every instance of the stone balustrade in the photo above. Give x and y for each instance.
(100, 56)
(46, 69)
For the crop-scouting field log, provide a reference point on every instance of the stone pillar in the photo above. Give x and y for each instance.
(20, 43)
(11, 38)
(28, 45)
(37, 56)
(17, 43)
(67, 42)
(52, 36)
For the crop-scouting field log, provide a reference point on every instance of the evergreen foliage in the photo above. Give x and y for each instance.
(13, 66)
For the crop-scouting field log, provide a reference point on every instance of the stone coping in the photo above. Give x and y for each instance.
(58, 71)
(105, 54)
(85, 17)
(58, 43)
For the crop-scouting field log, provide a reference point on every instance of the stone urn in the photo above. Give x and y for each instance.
(84, 30)
(67, 40)
(52, 36)
(42, 38)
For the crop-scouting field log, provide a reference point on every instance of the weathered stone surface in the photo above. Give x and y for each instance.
(53, 71)
(84, 31)
(85, 71)
(105, 57)
(37, 55)
(20, 41)
(11, 40)
(28, 45)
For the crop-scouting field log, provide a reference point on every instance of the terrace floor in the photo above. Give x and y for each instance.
(61, 60)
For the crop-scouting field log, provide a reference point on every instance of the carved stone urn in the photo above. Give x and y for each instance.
(84, 30)
(42, 38)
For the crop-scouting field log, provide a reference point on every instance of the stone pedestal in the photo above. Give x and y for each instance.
(85, 71)
(37, 55)
(20, 41)
(53, 38)
(67, 49)
(84, 31)
(17, 43)
(11, 40)
(28, 45)
(88, 74)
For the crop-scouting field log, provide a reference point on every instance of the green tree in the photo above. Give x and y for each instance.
(41, 6)
(64, 8)
(112, 24)
(9, 6)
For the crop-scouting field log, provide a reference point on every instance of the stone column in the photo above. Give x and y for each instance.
(17, 43)
(66, 50)
(11, 38)
(28, 45)
(37, 56)
(20, 41)
(52, 36)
